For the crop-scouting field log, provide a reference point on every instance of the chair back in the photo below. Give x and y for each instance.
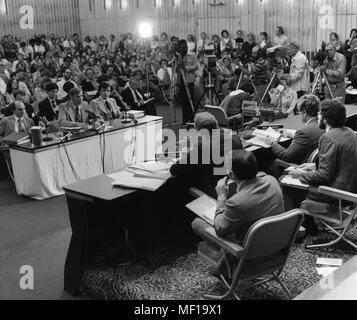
(351, 122)
(219, 114)
(314, 156)
(273, 235)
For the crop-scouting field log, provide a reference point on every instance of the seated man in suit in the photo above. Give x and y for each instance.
(105, 107)
(198, 169)
(306, 140)
(75, 112)
(337, 157)
(258, 196)
(20, 95)
(136, 99)
(49, 107)
(18, 122)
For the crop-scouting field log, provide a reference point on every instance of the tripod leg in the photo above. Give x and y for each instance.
(328, 86)
(268, 88)
(316, 82)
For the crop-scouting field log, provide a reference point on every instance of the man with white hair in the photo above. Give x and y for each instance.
(299, 74)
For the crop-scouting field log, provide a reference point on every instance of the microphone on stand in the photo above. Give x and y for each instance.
(126, 118)
(47, 126)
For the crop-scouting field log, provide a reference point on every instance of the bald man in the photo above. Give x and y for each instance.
(18, 122)
(335, 70)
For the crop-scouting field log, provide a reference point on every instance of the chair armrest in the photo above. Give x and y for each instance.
(338, 194)
(231, 247)
(235, 117)
(197, 193)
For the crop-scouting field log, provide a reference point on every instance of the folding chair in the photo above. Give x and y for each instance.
(264, 252)
(222, 118)
(339, 220)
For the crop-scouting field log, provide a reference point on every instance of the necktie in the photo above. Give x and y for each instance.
(19, 126)
(54, 106)
(78, 116)
(109, 108)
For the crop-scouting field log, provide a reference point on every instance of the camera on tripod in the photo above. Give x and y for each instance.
(321, 55)
(211, 57)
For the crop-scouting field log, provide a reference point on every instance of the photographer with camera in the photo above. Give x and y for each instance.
(187, 65)
(258, 70)
(335, 70)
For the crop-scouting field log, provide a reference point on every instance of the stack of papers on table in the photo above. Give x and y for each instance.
(153, 166)
(204, 207)
(147, 184)
(262, 137)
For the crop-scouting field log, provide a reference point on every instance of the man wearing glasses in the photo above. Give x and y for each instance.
(335, 70)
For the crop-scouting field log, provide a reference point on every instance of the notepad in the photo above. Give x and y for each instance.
(153, 166)
(204, 207)
(287, 180)
(139, 183)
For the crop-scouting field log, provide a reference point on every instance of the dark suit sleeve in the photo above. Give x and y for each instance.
(128, 97)
(183, 167)
(2, 127)
(327, 164)
(297, 150)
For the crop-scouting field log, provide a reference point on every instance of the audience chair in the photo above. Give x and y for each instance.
(338, 219)
(263, 255)
(221, 117)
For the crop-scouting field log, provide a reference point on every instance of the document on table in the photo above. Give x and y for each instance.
(204, 207)
(153, 166)
(147, 184)
(289, 181)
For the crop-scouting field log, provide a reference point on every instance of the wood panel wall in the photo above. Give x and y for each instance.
(50, 16)
(301, 18)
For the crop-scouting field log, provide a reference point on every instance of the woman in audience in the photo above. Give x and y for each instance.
(226, 42)
(191, 43)
(217, 45)
(284, 97)
(264, 42)
(204, 41)
(12, 86)
(165, 42)
(155, 43)
(250, 44)
(103, 43)
(334, 40)
(280, 39)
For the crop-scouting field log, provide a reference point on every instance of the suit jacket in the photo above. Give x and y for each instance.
(46, 110)
(305, 142)
(337, 162)
(7, 125)
(128, 97)
(29, 110)
(199, 173)
(255, 199)
(67, 116)
(99, 109)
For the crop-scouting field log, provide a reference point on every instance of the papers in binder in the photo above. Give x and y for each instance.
(204, 207)
(139, 183)
(287, 180)
(262, 138)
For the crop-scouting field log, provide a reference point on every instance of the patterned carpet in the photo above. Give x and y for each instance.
(172, 274)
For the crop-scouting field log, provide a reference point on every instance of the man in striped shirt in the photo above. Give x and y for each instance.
(258, 71)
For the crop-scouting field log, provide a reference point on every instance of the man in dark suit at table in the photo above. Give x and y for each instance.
(18, 122)
(136, 99)
(306, 140)
(75, 112)
(198, 169)
(50, 106)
